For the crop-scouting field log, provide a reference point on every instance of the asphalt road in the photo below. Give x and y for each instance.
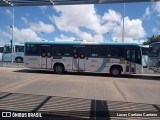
(135, 88)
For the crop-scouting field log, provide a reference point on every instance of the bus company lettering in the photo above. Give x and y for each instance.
(14, 114)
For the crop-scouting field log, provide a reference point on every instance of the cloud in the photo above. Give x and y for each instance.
(155, 30)
(112, 16)
(42, 27)
(43, 8)
(156, 7)
(25, 34)
(86, 37)
(2, 42)
(64, 38)
(147, 13)
(133, 30)
(9, 13)
(72, 18)
(25, 20)
(5, 34)
(92, 26)
(91, 38)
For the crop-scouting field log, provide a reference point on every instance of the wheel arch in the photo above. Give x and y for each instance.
(116, 65)
(59, 63)
(19, 57)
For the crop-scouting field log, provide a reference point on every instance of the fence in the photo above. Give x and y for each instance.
(11, 65)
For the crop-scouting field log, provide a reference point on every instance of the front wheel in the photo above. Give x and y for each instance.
(19, 60)
(115, 71)
(59, 69)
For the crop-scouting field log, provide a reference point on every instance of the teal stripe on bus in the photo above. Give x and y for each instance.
(100, 69)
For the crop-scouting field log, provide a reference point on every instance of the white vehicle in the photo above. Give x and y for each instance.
(1, 53)
(18, 53)
(114, 58)
(154, 57)
(145, 49)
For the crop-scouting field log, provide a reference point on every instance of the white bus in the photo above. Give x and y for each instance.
(145, 49)
(154, 57)
(114, 58)
(1, 52)
(18, 53)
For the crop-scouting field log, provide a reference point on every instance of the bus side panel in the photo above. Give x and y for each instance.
(139, 69)
(67, 61)
(7, 57)
(144, 60)
(96, 65)
(1, 54)
(32, 61)
(114, 61)
(19, 54)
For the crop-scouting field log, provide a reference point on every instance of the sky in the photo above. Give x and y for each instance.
(94, 22)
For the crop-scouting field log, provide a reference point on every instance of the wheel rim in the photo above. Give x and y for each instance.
(18, 60)
(115, 72)
(59, 69)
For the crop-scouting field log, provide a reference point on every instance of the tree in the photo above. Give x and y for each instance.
(152, 39)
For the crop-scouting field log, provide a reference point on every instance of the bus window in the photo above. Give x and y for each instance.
(8, 49)
(1, 49)
(32, 49)
(138, 57)
(98, 51)
(115, 52)
(133, 56)
(59, 51)
(127, 54)
(145, 51)
(19, 48)
(67, 51)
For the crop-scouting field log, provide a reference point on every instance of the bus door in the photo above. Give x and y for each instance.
(131, 60)
(46, 60)
(78, 58)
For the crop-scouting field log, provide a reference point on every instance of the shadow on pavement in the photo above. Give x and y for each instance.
(67, 108)
(142, 76)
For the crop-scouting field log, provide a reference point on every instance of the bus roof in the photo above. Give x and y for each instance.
(155, 43)
(82, 43)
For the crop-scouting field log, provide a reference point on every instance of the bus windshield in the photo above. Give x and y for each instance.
(145, 50)
(154, 50)
(7, 49)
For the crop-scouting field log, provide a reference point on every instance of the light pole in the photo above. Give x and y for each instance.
(12, 26)
(123, 22)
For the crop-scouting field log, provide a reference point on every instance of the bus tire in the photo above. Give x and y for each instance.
(59, 69)
(19, 60)
(115, 71)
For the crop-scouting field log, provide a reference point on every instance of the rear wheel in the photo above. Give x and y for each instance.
(59, 69)
(115, 71)
(19, 60)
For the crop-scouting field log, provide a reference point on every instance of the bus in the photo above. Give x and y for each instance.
(18, 53)
(1, 52)
(113, 58)
(154, 57)
(145, 49)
